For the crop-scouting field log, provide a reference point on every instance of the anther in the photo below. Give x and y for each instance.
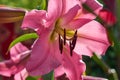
(74, 39)
(60, 44)
(73, 43)
(64, 37)
(71, 48)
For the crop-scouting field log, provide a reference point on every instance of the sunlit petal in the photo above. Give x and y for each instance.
(92, 37)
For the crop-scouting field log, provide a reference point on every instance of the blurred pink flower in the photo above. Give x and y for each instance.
(107, 17)
(64, 32)
(16, 65)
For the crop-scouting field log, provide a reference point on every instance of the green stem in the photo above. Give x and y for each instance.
(112, 75)
(116, 47)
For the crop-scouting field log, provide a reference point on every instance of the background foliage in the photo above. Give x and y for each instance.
(28, 4)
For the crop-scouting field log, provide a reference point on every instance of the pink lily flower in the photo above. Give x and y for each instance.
(16, 65)
(64, 33)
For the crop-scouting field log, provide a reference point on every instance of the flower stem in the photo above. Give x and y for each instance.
(115, 38)
(112, 75)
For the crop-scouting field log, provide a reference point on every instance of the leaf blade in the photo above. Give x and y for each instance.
(23, 38)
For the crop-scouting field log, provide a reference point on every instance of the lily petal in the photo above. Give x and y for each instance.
(92, 37)
(94, 6)
(70, 15)
(77, 23)
(6, 68)
(22, 75)
(73, 65)
(34, 19)
(69, 4)
(59, 71)
(45, 56)
(17, 49)
(12, 66)
(54, 9)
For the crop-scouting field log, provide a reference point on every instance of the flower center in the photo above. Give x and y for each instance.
(72, 41)
(64, 35)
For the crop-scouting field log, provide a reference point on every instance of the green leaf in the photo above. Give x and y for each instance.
(23, 38)
(49, 76)
(42, 4)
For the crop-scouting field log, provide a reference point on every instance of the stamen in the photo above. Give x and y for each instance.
(73, 43)
(60, 44)
(71, 48)
(64, 36)
(74, 39)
